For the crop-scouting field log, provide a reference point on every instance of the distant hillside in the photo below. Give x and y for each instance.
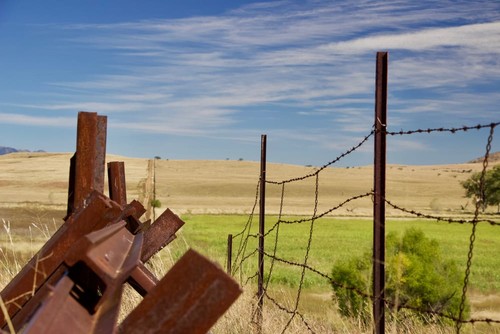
(493, 157)
(7, 150)
(31, 180)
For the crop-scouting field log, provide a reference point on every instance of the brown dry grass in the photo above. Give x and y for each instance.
(34, 189)
(40, 179)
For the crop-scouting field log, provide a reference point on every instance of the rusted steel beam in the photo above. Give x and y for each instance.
(142, 280)
(99, 264)
(157, 236)
(189, 299)
(90, 292)
(100, 154)
(90, 156)
(71, 187)
(160, 233)
(131, 214)
(87, 164)
(116, 182)
(60, 312)
(28, 309)
(86, 134)
(98, 212)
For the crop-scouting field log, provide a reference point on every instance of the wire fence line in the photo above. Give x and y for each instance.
(244, 254)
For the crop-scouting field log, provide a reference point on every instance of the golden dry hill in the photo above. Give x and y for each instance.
(41, 180)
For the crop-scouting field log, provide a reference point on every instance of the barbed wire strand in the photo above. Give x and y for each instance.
(438, 218)
(304, 220)
(306, 256)
(305, 266)
(284, 309)
(244, 241)
(452, 130)
(351, 150)
(275, 247)
(479, 203)
(387, 302)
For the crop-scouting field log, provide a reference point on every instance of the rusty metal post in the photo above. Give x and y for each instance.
(229, 252)
(379, 193)
(117, 184)
(262, 217)
(100, 153)
(71, 187)
(89, 158)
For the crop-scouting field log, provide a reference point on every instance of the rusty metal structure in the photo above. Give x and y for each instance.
(75, 282)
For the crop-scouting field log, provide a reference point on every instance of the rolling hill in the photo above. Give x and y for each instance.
(40, 180)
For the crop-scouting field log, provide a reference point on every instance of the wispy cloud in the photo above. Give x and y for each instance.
(483, 37)
(20, 119)
(311, 62)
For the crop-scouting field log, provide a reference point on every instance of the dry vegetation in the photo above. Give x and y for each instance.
(40, 179)
(34, 195)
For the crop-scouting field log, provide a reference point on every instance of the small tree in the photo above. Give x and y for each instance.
(490, 192)
(416, 277)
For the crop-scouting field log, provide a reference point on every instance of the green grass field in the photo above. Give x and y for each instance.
(335, 239)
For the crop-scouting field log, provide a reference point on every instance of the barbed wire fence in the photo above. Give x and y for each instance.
(378, 196)
(244, 254)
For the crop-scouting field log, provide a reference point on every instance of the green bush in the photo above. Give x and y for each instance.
(416, 277)
(155, 203)
(350, 278)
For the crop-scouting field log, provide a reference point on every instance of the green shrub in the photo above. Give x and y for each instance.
(349, 276)
(416, 277)
(155, 203)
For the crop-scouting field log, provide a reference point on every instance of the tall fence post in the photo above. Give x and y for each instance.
(379, 193)
(229, 253)
(262, 213)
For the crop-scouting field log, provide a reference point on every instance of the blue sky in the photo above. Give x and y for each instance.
(204, 79)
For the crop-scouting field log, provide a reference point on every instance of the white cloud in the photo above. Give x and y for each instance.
(484, 37)
(21, 119)
(212, 75)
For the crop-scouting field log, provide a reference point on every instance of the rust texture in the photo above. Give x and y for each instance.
(178, 296)
(75, 282)
(99, 212)
(117, 184)
(160, 233)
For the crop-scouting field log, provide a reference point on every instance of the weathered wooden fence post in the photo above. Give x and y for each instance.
(379, 193)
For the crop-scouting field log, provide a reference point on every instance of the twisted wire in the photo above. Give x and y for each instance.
(328, 164)
(438, 218)
(451, 130)
(245, 234)
(474, 226)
